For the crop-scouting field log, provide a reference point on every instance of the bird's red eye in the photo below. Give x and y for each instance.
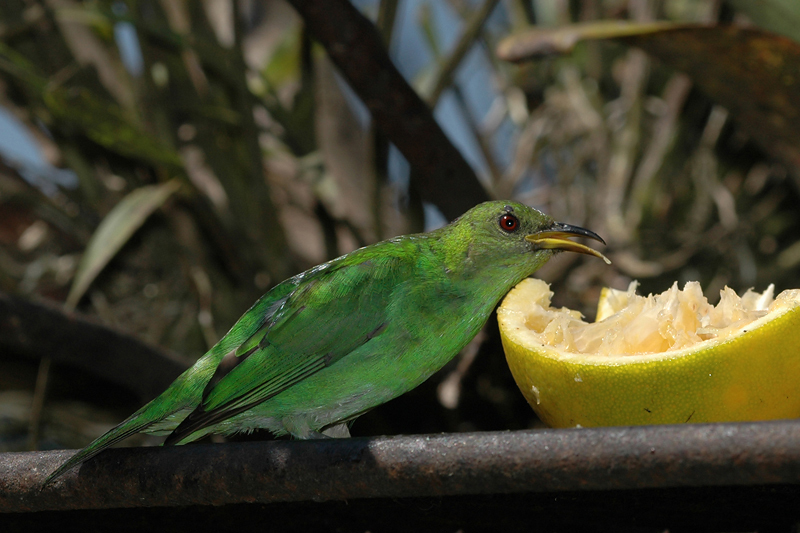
(509, 223)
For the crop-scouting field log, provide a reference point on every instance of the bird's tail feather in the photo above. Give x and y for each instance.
(138, 422)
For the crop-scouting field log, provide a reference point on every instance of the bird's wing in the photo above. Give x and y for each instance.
(331, 312)
(178, 396)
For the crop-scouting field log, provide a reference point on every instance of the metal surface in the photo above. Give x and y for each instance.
(764, 453)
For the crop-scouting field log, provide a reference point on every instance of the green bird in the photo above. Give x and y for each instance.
(327, 345)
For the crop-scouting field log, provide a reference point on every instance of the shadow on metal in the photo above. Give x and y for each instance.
(427, 466)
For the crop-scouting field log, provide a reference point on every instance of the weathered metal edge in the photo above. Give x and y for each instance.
(731, 454)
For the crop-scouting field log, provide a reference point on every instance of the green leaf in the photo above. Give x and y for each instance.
(114, 231)
(17, 66)
(542, 42)
(779, 16)
(106, 123)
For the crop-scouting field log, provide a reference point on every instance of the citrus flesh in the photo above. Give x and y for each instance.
(662, 359)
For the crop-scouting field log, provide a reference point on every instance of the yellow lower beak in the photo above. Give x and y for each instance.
(556, 238)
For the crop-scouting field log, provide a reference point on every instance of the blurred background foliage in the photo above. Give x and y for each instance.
(164, 163)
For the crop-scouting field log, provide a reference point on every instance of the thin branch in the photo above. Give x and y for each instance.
(441, 174)
(468, 39)
(38, 331)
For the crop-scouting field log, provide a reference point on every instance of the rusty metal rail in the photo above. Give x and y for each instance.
(764, 453)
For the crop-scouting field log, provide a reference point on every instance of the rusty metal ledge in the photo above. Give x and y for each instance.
(762, 453)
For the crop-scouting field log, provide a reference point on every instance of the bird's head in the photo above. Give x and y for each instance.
(504, 235)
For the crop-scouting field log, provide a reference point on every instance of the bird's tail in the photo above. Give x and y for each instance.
(140, 421)
(162, 415)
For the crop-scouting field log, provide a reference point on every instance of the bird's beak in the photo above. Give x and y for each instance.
(556, 238)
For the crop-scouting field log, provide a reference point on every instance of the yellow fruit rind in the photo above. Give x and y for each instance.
(751, 375)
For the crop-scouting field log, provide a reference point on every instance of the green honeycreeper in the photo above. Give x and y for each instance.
(327, 345)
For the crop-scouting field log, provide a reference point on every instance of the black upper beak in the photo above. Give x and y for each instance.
(556, 237)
